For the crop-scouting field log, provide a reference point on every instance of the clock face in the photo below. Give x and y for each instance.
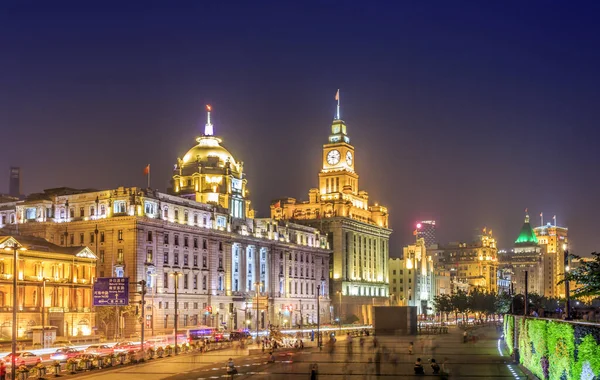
(349, 158)
(333, 157)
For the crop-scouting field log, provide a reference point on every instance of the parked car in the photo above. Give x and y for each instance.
(64, 354)
(126, 346)
(99, 349)
(23, 358)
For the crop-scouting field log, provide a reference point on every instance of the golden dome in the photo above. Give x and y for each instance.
(208, 146)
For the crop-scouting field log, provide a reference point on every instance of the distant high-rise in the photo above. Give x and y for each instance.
(426, 231)
(14, 184)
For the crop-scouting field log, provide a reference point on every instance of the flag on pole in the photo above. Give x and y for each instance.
(147, 173)
(415, 232)
(337, 95)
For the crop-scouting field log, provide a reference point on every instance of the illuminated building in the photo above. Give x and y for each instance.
(412, 279)
(8, 206)
(526, 256)
(357, 230)
(208, 173)
(54, 286)
(426, 230)
(552, 238)
(201, 234)
(471, 265)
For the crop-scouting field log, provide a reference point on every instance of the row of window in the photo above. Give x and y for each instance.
(92, 237)
(185, 281)
(303, 288)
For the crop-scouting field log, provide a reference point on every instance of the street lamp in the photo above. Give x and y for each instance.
(43, 310)
(318, 317)
(176, 275)
(339, 293)
(567, 287)
(15, 248)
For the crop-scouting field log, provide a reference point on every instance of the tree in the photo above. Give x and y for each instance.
(107, 316)
(502, 303)
(443, 304)
(460, 303)
(586, 276)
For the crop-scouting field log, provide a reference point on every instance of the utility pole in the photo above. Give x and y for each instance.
(143, 305)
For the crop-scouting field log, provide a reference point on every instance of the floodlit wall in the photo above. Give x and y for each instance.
(554, 349)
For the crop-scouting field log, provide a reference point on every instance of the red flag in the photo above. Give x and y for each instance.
(278, 204)
(147, 170)
(337, 95)
(415, 232)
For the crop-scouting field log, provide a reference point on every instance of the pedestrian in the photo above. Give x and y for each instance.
(410, 348)
(378, 363)
(465, 336)
(435, 367)
(314, 371)
(2, 371)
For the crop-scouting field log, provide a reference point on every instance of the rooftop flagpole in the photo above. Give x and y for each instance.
(337, 97)
(208, 128)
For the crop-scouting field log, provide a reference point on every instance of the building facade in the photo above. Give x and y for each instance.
(470, 265)
(357, 231)
(527, 258)
(200, 239)
(54, 287)
(412, 278)
(553, 239)
(426, 230)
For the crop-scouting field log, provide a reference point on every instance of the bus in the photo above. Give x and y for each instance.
(201, 333)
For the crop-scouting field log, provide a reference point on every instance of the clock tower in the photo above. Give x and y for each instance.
(357, 230)
(337, 174)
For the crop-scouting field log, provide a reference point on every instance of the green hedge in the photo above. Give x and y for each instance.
(549, 349)
(509, 328)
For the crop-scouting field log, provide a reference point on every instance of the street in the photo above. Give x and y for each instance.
(480, 360)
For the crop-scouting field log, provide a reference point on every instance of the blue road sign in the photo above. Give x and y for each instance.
(111, 291)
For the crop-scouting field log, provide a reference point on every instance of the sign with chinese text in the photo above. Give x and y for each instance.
(111, 291)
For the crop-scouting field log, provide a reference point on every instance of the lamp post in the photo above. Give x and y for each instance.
(339, 293)
(318, 317)
(143, 304)
(15, 248)
(176, 275)
(257, 291)
(153, 275)
(43, 311)
(567, 287)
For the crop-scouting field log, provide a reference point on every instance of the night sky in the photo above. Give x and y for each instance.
(464, 112)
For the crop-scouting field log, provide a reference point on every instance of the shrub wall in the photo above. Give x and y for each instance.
(554, 349)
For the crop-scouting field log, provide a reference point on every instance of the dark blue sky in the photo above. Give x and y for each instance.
(463, 111)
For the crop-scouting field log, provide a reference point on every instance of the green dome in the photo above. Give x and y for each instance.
(526, 236)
